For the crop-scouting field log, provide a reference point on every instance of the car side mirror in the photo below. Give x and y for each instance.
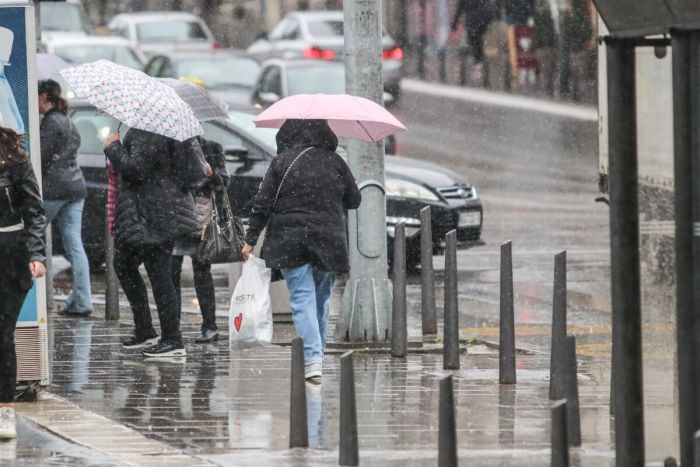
(236, 154)
(268, 98)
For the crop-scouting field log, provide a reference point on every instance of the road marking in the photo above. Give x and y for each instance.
(479, 96)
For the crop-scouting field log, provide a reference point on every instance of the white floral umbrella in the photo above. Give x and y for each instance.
(134, 98)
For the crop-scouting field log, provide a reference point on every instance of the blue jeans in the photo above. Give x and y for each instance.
(69, 215)
(310, 301)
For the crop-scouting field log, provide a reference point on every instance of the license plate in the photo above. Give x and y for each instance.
(469, 219)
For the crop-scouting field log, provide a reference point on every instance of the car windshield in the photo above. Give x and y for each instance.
(63, 17)
(94, 126)
(265, 135)
(170, 31)
(221, 73)
(326, 28)
(316, 79)
(120, 54)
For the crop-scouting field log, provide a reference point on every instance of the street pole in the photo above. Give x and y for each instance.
(686, 103)
(624, 244)
(367, 298)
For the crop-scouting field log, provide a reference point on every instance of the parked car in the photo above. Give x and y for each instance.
(228, 75)
(410, 184)
(319, 35)
(64, 17)
(83, 49)
(283, 78)
(158, 32)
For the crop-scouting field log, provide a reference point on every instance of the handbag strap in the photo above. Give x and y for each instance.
(279, 188)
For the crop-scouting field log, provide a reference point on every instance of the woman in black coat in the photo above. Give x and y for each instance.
(155, 207)
(22, 226)
(307, 231)
(64, 189)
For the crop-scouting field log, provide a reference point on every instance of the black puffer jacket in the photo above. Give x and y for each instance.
(20, 201)
(62, 178)
(308, 222)
(157, 176)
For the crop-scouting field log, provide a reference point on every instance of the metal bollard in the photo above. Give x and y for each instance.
(427, 274)
(112, 283)
(298, 424)
(670, 462)
(573, 416)
(50, 303)
(399, 332)
(557, 354)
(451, 331)
(506, 352)
(559, 435)
(447, 436)
(696, 449)
(349, 450)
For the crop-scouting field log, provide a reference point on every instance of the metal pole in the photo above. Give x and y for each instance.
(447, 435)
(112, 283)
(624, 243)
(367, 299)
(422, 40)
(560, 440)
(427, 274)
(687, 214)
(399, 332)
(573, 415)
(696, 452)
(349, 450)
(50, 302)
(298, 423)
(556, 360)
(451, 318)
(506, 348)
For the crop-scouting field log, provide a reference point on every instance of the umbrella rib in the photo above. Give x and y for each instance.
(365, 130)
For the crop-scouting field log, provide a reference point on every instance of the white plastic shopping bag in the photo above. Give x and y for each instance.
(250, 314)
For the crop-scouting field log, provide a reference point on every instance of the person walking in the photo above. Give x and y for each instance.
(478, 14)
(154, 207)
(303, 200)
(64, 190)
(22, 225)
(215, 187)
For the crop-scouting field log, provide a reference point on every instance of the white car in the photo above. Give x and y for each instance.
(83, 49)
(158, 32)
(60, 19)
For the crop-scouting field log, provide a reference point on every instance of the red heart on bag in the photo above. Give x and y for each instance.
(237, 321)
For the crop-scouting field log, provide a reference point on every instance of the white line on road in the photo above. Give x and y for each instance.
(577, 112)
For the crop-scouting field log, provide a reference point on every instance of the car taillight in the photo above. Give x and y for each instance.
(216, 46)
(393, 54)
(319, 54)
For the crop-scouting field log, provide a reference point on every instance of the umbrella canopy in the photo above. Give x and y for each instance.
(348, 116)
(204, 105)
(134, 98)
(48, 65)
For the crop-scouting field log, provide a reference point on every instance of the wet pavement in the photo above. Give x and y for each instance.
(537, 177)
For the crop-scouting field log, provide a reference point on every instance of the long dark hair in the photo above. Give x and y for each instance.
(11, 148)
(53, 94)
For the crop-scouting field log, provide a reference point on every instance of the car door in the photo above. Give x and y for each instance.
(269, 88)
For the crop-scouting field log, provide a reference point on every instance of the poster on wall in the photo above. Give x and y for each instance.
(19, 109)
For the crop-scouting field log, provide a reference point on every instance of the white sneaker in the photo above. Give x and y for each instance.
(313, 370)
(8, 423)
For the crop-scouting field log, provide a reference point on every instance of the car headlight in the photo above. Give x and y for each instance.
(406, 189)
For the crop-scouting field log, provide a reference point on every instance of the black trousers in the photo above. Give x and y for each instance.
(203, 286)
(475, 38)
(13, 289)
(157, 261)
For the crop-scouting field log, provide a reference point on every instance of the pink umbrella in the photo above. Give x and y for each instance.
(348, 116)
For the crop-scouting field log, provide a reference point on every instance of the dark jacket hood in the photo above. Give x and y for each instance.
(299, 134)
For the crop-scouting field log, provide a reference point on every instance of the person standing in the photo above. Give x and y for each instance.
(22, 225)
(64, 190)
(478, 14)
(303, 200)
(155, 207)
(215, 187)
